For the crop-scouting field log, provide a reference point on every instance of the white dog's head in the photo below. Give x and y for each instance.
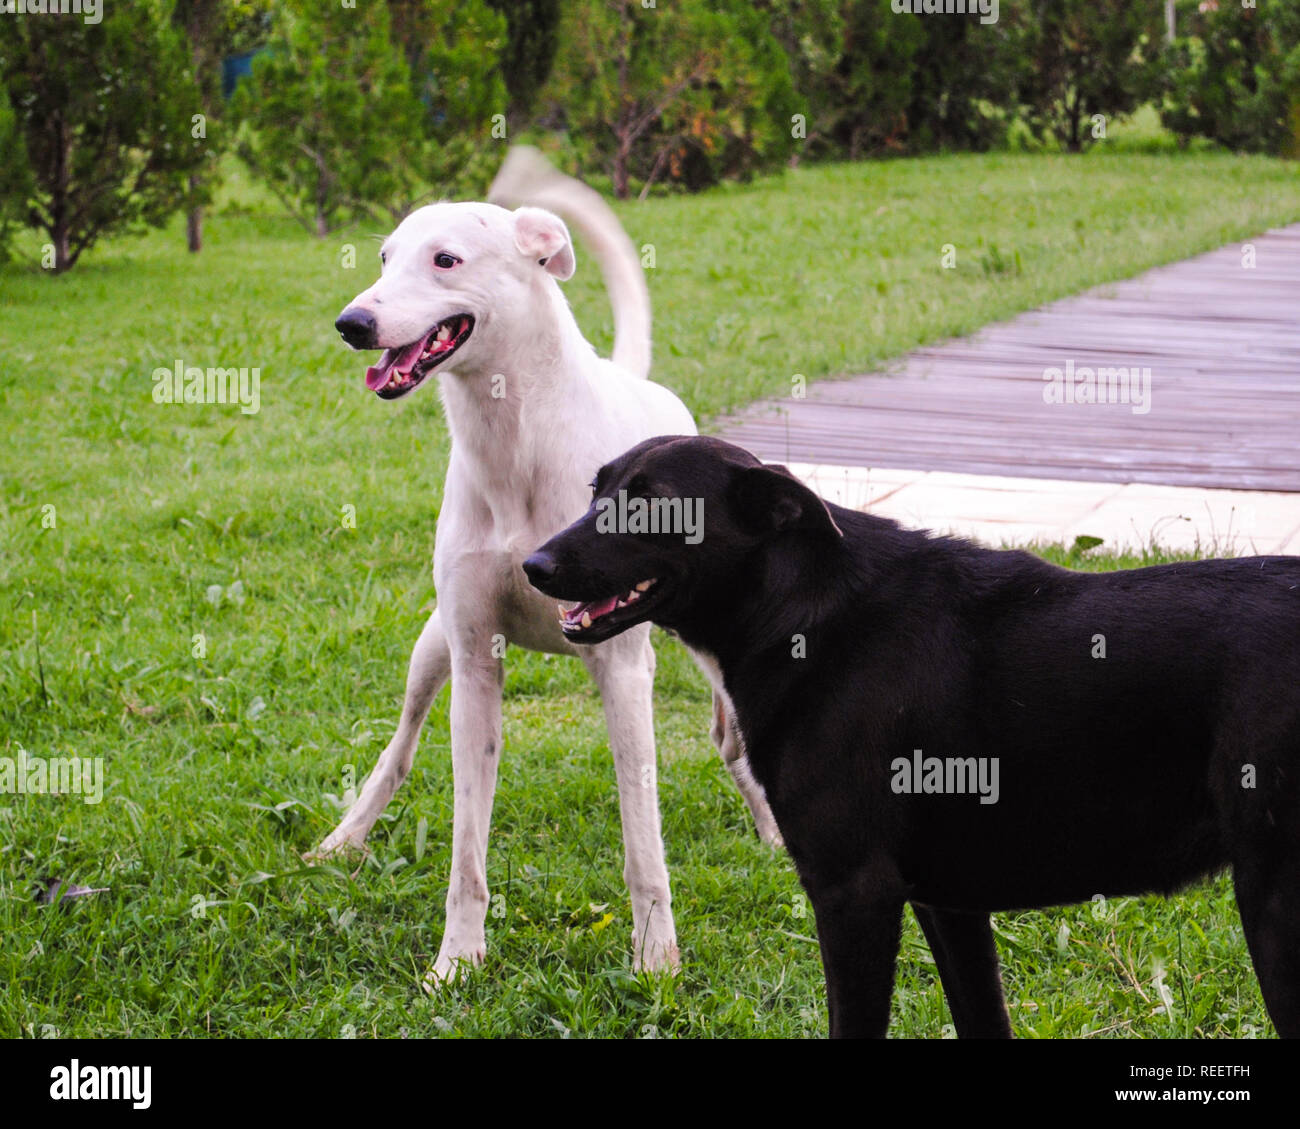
(457, 279)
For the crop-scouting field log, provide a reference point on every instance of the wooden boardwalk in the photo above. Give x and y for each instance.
(1221, 341)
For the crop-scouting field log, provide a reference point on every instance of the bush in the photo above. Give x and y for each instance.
(873, 80)
(689, 95)
(1234, 77)
(336, 125)
(15, 178)
(1076, 59)
(101, 116)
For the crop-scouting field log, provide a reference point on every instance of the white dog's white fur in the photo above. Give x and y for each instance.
(533, 413)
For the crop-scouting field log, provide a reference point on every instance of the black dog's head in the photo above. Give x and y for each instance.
(670, 522)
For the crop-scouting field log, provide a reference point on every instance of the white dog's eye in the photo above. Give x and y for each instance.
(383, 258)
(444, 261)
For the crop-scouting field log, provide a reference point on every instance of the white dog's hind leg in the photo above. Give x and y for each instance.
(429, 667)
(733, 756)
(475, 753)
(624, 671)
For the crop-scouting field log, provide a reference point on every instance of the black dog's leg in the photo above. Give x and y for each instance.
(1266, 888)
(962, 944)
(859, 943)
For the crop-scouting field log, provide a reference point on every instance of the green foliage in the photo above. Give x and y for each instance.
(1233, 75)
(103, 112)
(878, 81)
(688, 94)
(532, 36)
(1074, 59)
(463, 90)
(312, 111)
(852, 64)
(336, 125)
(960, 83)
(15, 177)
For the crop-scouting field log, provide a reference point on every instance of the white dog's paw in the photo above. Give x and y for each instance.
(453, 964)
(338, 843)
(656, 954)
(769, 832)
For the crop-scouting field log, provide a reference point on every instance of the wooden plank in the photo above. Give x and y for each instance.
(1222, 343)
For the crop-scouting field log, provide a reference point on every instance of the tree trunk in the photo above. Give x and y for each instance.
(60, 225)
(621, 155)
(62, 247)
(194, 221)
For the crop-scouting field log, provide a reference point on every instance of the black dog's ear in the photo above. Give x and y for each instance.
(769, 499)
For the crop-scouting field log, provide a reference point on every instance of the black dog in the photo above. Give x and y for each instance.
(965, 729)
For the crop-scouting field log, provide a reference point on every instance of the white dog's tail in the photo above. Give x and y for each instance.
(527, 177)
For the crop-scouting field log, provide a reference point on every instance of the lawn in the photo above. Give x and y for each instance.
(171, 522)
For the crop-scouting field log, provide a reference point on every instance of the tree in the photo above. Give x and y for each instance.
(15, 176)
(1080, 58)
(1235, 77)
(691, 94)
(203, 23)
(532, 35)
(853, 62)
(334, 122)
(960, 79)
(104, 114)
(461, 86)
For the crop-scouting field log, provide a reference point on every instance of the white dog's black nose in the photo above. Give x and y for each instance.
(358, 327)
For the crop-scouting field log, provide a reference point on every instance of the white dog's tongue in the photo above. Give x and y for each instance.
(403, 359)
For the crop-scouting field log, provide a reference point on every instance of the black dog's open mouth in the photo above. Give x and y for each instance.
(401, 370)
(610, 614)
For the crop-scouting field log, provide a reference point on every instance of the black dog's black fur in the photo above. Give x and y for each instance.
(1175, 754)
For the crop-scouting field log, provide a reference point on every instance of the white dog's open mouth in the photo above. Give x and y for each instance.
(400, 370)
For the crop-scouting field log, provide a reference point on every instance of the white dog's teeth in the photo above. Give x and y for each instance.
(621, 604)
(644, 585)
(444, 333)
(586, 619)
(633, 597)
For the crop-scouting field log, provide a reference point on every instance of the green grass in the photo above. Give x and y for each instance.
(222, 769)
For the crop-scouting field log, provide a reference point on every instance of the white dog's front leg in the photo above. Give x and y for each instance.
(428, 670)
(475, 752)
(624, 670)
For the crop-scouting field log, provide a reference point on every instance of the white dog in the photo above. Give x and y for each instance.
(469, 289)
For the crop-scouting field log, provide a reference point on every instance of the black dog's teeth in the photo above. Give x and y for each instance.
(579, 616)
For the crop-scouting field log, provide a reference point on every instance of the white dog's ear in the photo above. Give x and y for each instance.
(542, 236)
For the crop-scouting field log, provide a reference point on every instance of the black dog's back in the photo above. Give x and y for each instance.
(1113, 703)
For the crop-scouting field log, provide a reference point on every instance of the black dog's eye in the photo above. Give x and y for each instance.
(592, 484)
(445, 261)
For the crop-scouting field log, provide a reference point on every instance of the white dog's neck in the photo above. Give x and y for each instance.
(515, 413)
